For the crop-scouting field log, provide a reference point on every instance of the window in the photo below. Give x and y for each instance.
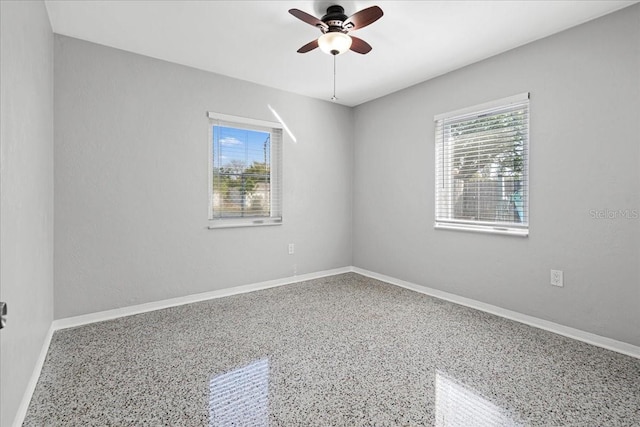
(245, 172)
(482, 156)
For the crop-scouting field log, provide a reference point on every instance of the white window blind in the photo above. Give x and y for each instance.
(245, 171)
(482, 158)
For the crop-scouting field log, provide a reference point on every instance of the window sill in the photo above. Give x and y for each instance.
(518, 232)
(226, 223)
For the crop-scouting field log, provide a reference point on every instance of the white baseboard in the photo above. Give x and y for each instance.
(577, 334)
(33, 381)
(85, 319)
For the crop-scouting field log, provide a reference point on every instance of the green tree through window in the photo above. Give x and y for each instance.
(487, 157)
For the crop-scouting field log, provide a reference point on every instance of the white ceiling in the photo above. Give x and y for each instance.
(257, 40)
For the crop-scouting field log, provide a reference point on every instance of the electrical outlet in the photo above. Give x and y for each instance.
(292, 248)
(556, 278)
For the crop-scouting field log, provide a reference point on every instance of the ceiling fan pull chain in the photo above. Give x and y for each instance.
(334, 98)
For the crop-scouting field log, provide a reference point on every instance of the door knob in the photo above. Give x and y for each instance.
(3, 314)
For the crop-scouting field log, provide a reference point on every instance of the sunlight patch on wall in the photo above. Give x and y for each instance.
(284, 125)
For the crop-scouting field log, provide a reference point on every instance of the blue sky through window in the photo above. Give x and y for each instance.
(239, 148)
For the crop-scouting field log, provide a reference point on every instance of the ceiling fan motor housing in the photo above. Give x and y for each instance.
(334, 18)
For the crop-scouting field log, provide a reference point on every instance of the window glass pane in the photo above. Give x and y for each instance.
(481, 168)
(241, 173)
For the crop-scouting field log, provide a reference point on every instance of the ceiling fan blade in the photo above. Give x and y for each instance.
(309, 19)
(359, 45)
(309, 46)
(363, 18)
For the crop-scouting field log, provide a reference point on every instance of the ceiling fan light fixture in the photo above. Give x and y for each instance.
(334, 43)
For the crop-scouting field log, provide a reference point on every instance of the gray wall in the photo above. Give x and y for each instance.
(131, 144)
(26, 194)
(585, 155)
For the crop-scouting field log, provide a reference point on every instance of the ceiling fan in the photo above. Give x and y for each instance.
(334, 27)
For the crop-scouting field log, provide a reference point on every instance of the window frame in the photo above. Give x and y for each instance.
(275, 130)
(445, 221)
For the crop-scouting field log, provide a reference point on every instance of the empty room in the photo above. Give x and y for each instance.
(319, 213)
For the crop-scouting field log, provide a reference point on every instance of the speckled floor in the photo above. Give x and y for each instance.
(339, 351)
